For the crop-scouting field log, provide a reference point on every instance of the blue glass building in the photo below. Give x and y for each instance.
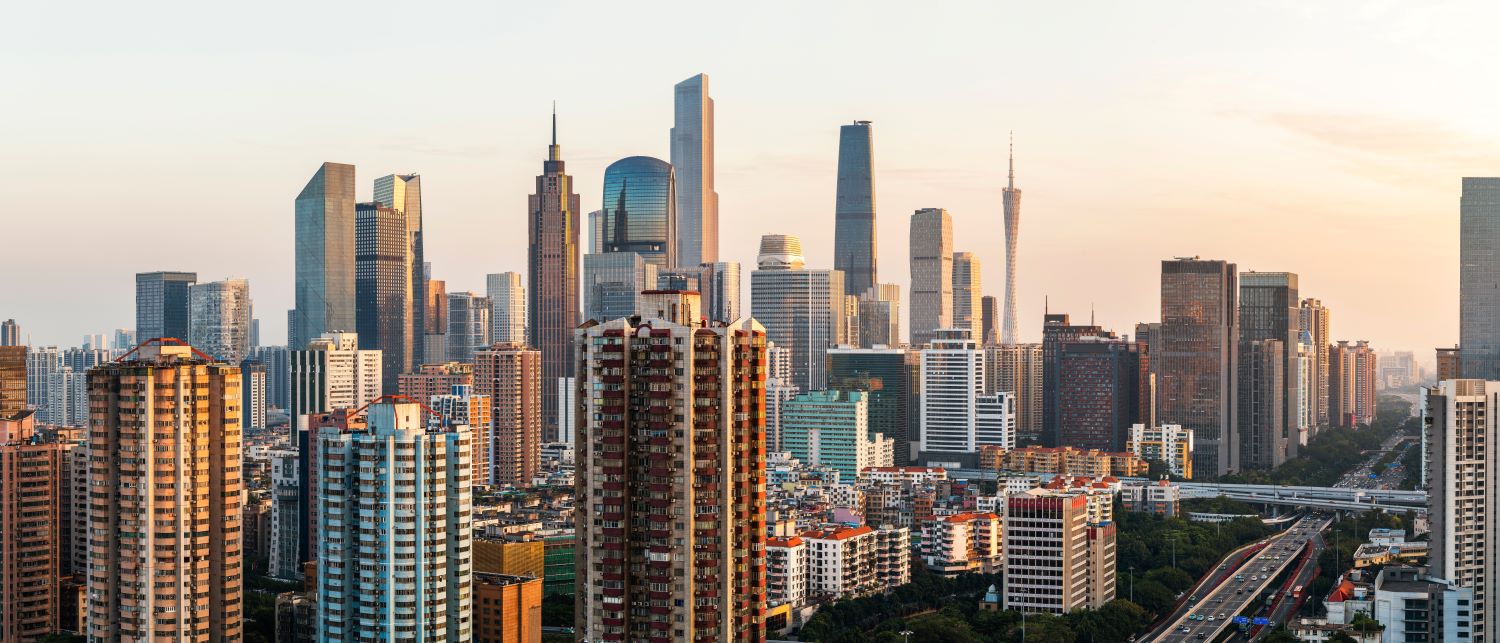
(640, 210)
(854, 209)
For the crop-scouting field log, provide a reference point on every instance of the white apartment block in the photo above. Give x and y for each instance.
(904, 475)
(963, 543)
(952, 373)
(786, 571)
(1460, 423)
(1169, 443)
(850, 562)
(333, 373)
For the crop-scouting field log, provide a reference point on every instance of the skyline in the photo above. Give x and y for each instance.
(1237, 138)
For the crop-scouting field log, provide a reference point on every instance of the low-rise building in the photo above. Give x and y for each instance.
(963, 543)
(507, 609)
(1161, 498)
(849, 562)
(1070, 461)
(1171, 444)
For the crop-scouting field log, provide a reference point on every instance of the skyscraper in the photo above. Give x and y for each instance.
(31, 521)
(1459, 419)
(219, 319)
(802, 310)
(719, 283)
(324, 254)
(41, 363)
(952, 383)
(887, 378)
(507, 307)
(511, 376)
(1314, 318)
(880, 316)
(384, 308)
(468, 325)
(552, 277)
(404, 192)
(332, 373)
(1261, 404)
(253, 388)
(435, 320)
(1479, 277)
(161, 304)
(10, 333)
(967, 291)
(693, 159)
(1018, 368)
(854, 209)
(1057, 331)
(613, 283)
(396, 561)
(640, 210)
(931, 273)
(1352, 374)
(832, 429)
(1198, 362)
(596, 232)
(171, 511)
(12, 381)
(1271, 309)
(988, 321)
(1098, 392)
(671, 471)
(1011, 200)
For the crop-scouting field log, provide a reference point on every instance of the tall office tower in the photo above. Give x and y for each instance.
(174, 517)
(802, 310)
(880, 316)
(219, 319)
(832, 429)
(854, 248)
(30, 529)
(613, 283)
(988, 318)
(995, 420)
(655, 448)
(931, 274)
(693, 159)
(277, 360)
(435, 320)
(253, 386)
(324, 254)
(332, 373)
(850, 332)
(952, 382)
(395, 562)
(1271, 309)
(640, 210)
(41, 363)
(1098, 392)
(1460, 496)
(254, 333)
(1261, 405)
(507, 307)
(161, 304)
(1011, 200)
(404, 192)
(967, 292)
(384, 311)
(1055, 560)
(468, 325)
(596, 232)
(677, 279)
(435, 379)
(779, 390)
(124, 339)
(510, 375)
(1352, 374)
(462, 405)
(1449, 366)
(1017, 369)
(1057, 331)
(719, 283)
(886, 379)
(12, 380)
(1198, 363)
(10, 333)
(1314, 318)
(1479, 277)
(552, 277)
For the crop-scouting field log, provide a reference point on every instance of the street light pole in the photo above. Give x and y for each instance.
(1132, 583)
(905, 635)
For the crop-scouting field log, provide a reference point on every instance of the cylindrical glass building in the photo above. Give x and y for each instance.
(640, 210)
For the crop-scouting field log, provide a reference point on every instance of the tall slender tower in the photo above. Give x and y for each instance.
(693, 157)
(552, 276)
(854, 209)
(931, 274)
(324, 255)
(383, 307)
(404, 192)
(1012, 202)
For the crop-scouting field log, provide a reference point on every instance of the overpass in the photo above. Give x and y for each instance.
(1340, 498)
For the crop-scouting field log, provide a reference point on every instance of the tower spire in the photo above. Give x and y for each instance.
(1012, 159)
(554, 132)
(553, 152)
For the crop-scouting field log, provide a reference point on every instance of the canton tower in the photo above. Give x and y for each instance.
(1012, 201)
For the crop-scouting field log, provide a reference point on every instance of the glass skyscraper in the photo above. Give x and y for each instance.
(404, 192)
(382, 289)
(1479, 278)
(931, 273)
(1197, 365)
(640, 210)
(1270, 310)
(612, 284)
(324, 255)
(854, 209)
(552, 277)
(161, 304)
(693, 159)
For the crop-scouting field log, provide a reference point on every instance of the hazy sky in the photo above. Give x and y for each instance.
(1323, 138)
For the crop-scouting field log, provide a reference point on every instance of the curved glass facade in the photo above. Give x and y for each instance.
(640, 209)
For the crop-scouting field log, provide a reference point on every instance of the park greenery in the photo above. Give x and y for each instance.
(1335, 451)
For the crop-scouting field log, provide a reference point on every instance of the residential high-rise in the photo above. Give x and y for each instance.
(880, 316)
(396, 557)
(10, 333)
(1168, 443)
(995, 420)
(640, 210)
(786, 571)
(779, 391)
(12, 381)
(671, 467)
(462, 405)
(277, 360)
(967, 292)
(332, 373)
(931, 274)
(1271, 309)
(1017, 369)
(802, 310)
(219, 319)
(719, 283)
(468, 325)
(1314, 318)
(404, 192)
(161, 304)
(1260, 409)
(885, 377)
(693, 159)
(507, 609)
(1198, 361)
(552, 277)
(510, 374)
(854, 248)
(435, 379)
(1479, 277)
(1011, 201)
(324, 255)
(1055, 560)
(384, 308)
(286, 547)
(253, 387)
(31, 523)
(832, 429)
(507, 297)
(952, 382)
(847, 562)
(1460, 494)
(613, 283)
(1449, 366)
(1352, 374)
(1058, 330)
(1098, 392)
(41, 363)
(988, 321)
(165, 494)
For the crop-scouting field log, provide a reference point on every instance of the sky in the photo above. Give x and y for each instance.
(1326, 139)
